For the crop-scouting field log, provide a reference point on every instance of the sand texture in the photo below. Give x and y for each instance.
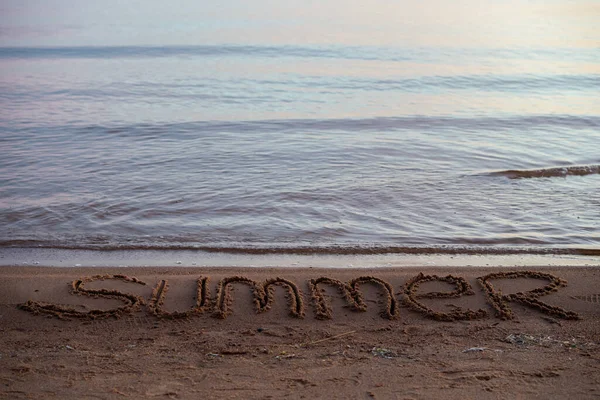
(227, 333)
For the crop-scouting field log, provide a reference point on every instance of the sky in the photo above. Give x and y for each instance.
(461, 23)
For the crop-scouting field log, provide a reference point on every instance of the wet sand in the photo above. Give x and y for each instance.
(452, 332)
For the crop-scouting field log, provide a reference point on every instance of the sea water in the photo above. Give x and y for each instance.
(295, 144)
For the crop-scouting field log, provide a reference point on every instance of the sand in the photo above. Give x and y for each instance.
(250, 333)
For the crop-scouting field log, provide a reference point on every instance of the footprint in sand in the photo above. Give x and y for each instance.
(590, 298)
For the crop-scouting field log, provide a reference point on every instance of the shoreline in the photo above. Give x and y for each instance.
(449, 340)
(196, 258)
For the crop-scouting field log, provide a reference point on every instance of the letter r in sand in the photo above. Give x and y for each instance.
(529, 298)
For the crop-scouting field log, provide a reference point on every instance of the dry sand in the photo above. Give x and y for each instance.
(392, 337)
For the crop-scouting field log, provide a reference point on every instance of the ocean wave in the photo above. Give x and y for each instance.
(575, 170)
(525, 83)
(375, 124)
(365, 53)
(271, 90)
(309, 249)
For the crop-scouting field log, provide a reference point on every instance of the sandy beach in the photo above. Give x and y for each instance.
(390, 333)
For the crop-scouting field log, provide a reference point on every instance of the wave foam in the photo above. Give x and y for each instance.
(579, 170)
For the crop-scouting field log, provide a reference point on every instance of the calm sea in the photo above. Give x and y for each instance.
(304, 147)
